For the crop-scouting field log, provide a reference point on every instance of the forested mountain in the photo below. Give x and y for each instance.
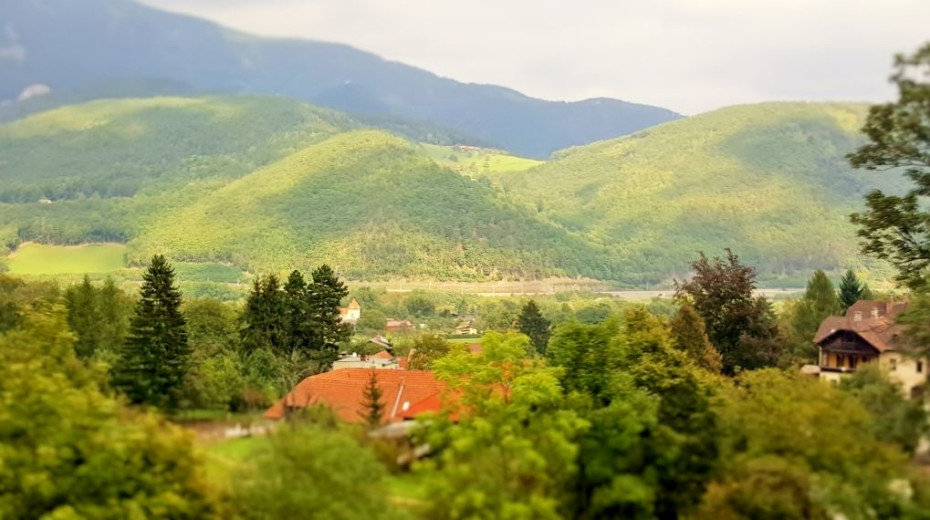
(769, 180)
(265, 184)
(86, 49)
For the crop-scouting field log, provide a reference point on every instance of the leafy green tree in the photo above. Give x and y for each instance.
(325, 295)
(372, 404)
(426, 349)
(897, 419)
(852, 290)
(511, 452)
(311, 471)
(71, 451)
(215, 379)
(587, 355)
(371, 321)
(156, 357)
(740, 326)
(419, 304)
(84, 317)
(690, 336)
(532, 323)
(895, 228)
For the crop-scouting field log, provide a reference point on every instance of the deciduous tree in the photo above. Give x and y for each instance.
(690, 336)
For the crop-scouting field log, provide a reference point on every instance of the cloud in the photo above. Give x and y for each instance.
(688, 55)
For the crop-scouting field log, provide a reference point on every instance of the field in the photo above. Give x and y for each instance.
(476, 162)
(40, 259)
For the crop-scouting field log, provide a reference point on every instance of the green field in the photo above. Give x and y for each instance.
(477, 162)
(40, 259)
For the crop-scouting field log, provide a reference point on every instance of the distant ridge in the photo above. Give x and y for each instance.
(118, 47)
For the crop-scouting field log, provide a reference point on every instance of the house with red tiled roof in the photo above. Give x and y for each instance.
(868, 333)
(404, 394)
(383, 360)
(352, 313)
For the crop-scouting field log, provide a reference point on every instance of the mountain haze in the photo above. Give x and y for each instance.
(102, 48)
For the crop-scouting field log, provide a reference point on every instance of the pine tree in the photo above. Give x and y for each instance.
(263, 324)
(851, 290)
(115, 310)
(690, 336)
(297, 320)
(532, 323)
(84, 318)
(155, 357)
(372, 407)
(327, 330)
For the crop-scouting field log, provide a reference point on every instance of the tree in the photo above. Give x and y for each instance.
(84, 317)
(155, 359)
(897, 228)
(312, 472)
(372, 406)
(427, 348)
(852, 290)
(690, 336)
(740, 326)
(69, 450)
(297, 320)
(532, 323)
(818, 302)
(263, 326)
(325, 294)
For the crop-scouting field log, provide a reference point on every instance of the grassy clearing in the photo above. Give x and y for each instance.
(224, 457)
(40, 259)
(476, 162)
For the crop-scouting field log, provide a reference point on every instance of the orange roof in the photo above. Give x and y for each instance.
(343, 391)
(873, 321)
(384, 354)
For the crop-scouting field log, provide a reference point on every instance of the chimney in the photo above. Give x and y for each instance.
(889, 305)
(857, 316)
(875, 313)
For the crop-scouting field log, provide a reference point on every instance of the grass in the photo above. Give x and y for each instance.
(40, 259)
(477, 162)
(224, 457)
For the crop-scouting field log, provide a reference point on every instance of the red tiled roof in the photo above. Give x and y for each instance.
(343, 391)
(873, 321)
(384, 354)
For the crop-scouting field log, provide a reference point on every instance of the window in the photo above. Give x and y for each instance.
(892, 364)
(852, 361)
(920, 367)
(840, 360)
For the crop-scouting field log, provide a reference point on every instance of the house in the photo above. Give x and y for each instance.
(352, 313)
(398, 326)
(465, 328)
(868, 334)
(383, 360)
(405, 394)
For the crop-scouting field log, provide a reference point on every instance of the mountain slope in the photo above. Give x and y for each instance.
(83, 45)
(769, 180)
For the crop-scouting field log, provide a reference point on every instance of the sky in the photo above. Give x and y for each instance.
(687, 55)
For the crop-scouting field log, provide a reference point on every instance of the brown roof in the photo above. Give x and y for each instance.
(403, 391)
(871, 320)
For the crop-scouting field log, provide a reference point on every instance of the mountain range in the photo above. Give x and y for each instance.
(55, 52)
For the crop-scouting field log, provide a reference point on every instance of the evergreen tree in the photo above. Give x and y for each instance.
(84, 317)
(690, 336)
(372, 406)
(155, 357)
(532, 323)
(851, 290)
(263, 326)
(297, 320)
(819, 301)
(327, 330)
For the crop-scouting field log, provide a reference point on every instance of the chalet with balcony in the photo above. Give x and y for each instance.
(868, 334)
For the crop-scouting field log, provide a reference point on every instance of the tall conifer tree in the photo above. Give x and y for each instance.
(155, 357)
(852, 290)
(324, 296)
(84, 317)
(372, 406)
(532, 323)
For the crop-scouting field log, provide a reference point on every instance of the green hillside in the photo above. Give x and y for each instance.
(770, 180)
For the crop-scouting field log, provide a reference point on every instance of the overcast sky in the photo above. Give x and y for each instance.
(687, 55)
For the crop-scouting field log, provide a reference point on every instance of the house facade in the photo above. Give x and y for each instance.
(352, 313)
(868, 334)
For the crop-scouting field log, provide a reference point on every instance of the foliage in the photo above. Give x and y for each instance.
(819, 302)
(532, 323)
(897, 419)
(510, 453)
(740, 326)
(216, 378)
(372, 404)
(690, 336)
(893, 227)
(426, 349)
(852, 290)
(813, 429)
(99, 317)
(316, 471)
(70, 451)
(155, 358)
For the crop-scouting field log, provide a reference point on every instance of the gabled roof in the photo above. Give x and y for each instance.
(403, 392)
(871, 320)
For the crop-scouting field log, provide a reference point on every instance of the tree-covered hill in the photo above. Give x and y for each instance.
(769, 180)
(91, 49)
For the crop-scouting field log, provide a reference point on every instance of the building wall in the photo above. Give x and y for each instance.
(907, 371)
